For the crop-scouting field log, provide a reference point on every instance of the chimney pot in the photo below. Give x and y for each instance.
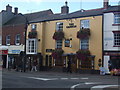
(16, 10)
(65, 9)
(106, 4)
(9, 8)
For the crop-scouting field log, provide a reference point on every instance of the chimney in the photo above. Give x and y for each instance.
(9, 8)
(65, 9)
(106, 4)
(16, 10)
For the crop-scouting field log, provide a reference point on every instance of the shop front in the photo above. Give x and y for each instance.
(4, 56)
(113, 58)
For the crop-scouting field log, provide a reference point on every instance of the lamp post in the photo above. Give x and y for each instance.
(25, 34)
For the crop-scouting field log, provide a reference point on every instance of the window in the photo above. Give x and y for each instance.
(84, 44)
(84, 24)
(8, 40)
(17, 39)
(59, 44)
(0, 40)
(59, 26)
(33, 26)
(32, 46)
(117, 18)
(67, 43)
(117, 39)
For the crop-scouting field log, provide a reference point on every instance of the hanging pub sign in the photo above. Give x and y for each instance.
(71, 25)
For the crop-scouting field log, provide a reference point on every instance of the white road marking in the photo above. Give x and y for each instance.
(83, 78)
(74, 78)
(73, 87)
(87, 83)
(100, 87)
(44, 79)
(63, 78)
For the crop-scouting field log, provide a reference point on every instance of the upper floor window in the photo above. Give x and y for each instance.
(8, 40)
(116, 39)
(84, 44)
(17, 39)
(85, 24)
(58, 43)
(31, 46)
(117, 18)
(59, 26)
(33, 26)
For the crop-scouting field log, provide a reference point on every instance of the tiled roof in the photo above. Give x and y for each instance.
(77, 14)
(20, 18)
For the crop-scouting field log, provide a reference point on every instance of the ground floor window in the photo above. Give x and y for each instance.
(31, 46)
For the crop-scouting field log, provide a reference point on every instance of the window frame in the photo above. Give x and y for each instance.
(59, 26)
(116, 38)
(30, 47)
(17, 39)
(0, 39)
(86, 44)
(33, 27)
(83, 24)
(59, 44)
(116, 18)
(8, 40)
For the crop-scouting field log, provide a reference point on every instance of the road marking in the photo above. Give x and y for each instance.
(87, 83)
(63, 78)
(83, 78)
(73, 87)
(74, 78)
(43, 79)
(100, 87)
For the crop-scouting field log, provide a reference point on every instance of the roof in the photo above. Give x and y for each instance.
(76, 14)
(21, 18)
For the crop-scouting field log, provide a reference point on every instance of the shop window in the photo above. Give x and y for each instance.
(8, 40)
(117, 39)
(85, 24)
(58, 43)
(31, 46)
(117, 18)
(33, 26)
(84, 44)
(17, 39)
(59, 26)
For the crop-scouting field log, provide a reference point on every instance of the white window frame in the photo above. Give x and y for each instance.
(17, 39)
(59, 26)
(58, 43)
(85, 43)
(8, 40)
(33, 26)
(117, 39)
(85, 23)
(117, 18)
(29, 46)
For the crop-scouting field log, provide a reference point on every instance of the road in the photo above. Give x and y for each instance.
(54, 80)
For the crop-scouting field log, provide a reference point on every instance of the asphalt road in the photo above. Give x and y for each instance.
(53, 80)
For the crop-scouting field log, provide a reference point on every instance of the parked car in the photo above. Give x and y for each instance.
(115, 72)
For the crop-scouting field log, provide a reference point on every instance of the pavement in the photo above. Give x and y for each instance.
(57, 80)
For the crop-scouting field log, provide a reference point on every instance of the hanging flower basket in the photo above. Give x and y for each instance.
(83, 33)
(32, 34)
(59, 35)
(57, 53)
(82, 54)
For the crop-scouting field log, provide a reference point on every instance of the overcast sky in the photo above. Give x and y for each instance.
(29, 6)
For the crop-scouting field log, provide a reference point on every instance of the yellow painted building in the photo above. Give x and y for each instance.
(42, 42)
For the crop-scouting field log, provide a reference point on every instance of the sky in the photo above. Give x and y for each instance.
(30, 6)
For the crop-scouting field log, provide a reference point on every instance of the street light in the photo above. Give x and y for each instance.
(26, 26)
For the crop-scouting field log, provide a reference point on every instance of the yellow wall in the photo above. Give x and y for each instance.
(46, 30)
